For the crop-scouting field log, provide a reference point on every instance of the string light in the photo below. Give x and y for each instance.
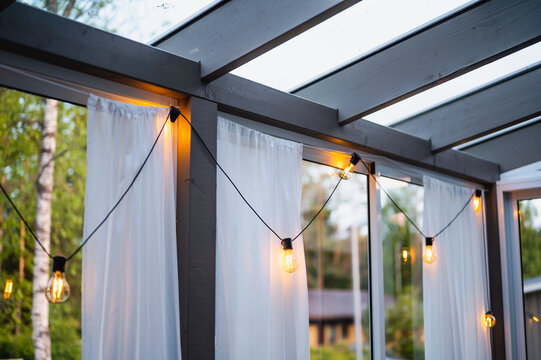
(477, 200)
(405, 255)
(352, 162)
(8, 289)
(288, 259)
(57, 290)
(429, 255)
(489, 320)
(535, 318)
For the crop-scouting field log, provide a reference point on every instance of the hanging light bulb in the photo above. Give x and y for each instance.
(477, 200)
(58, 290)
(405, 254)
(535, 318)
(489, 320)
(354, 161)
(8, 289)
(288, 259)
(429, 255)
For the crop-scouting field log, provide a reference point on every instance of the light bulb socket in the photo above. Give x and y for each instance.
(287, 244)
(59, 264)
(429, 241)
(174, 113)
(478, 193)
(355, 158)
(488, 313)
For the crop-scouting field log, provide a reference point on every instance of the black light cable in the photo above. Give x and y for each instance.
(175, 113)
(429, 239)
(24, 221)
(57, 289)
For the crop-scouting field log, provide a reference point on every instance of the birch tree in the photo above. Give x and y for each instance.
(45, 182)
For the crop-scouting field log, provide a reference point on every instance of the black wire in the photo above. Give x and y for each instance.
(406, 215)
(320, 210)
(456, 216)
(123, 195)
(24, 221)
(242, 196)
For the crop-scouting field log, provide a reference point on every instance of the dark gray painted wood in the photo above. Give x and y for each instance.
(196, 229)
(246, 98)
(462, 43)
(495, 272)
(496, 106)
(83, 50)
(240, 30)
(512, 150)
(53, 38)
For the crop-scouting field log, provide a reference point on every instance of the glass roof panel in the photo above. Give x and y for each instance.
(349, 34)
(461, 85)
(139, 20)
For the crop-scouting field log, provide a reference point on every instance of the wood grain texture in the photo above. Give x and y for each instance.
(462, 43)
(240, 30)
(491, 108)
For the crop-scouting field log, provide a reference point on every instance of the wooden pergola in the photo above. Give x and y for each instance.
(328, 110)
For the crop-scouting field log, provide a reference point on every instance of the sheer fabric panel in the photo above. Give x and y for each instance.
(130, 287)
(454, 286)
(261, 311)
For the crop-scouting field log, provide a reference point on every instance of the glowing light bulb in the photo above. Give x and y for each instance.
(489, 320)
(288, 259)
(8, 289)
(477, 200)
(535, 318)
(405, 255)
(429, 255)
(57, 290)
(354, 161)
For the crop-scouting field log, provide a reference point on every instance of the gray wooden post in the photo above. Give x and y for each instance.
(495, 272)
(196, 229)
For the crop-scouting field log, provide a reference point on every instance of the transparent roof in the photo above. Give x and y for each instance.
(463, 84)
(139, 20)
(342, 38)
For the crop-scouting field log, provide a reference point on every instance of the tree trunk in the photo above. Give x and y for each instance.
(40, 306)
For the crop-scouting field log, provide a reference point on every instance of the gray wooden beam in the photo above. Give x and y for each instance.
(240, 30)
(498, 105)
(246, 98)
(513, 149)
(463, 42)
(84, 50)
(196, 229)
(52, 38)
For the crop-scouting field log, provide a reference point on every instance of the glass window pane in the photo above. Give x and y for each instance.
(336, 247)
(530, 240)
(402, 271)
(499, 69)
(21, 121)
(135, 19)
(351, 33)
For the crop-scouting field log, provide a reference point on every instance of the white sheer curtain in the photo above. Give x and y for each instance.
(454, 287)
(130, 289)
(261, 311)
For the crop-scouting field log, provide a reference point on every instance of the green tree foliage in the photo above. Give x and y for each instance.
(403, 281)
(530, 238)
(20, 132)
